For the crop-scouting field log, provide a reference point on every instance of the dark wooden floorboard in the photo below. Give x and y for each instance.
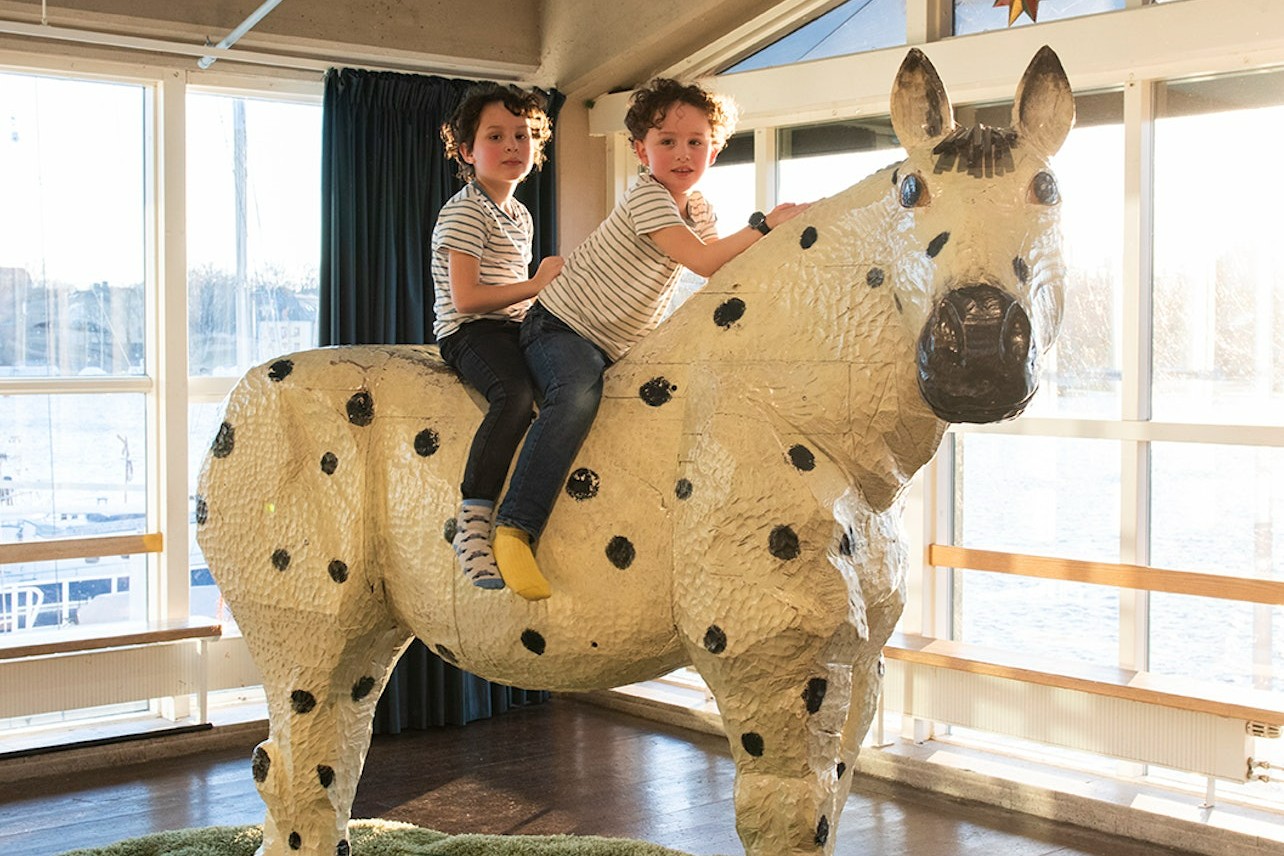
(563, 767)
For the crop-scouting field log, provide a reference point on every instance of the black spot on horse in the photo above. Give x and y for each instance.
(814, 695)
(296, 841)
(325, 775)
(783, 543)
(338, 571)
(362, 688)
(583, 484)
(427, 443)
(896, 177)
(329, 463)
(449, 530)
(446, 654)
(620, 551)
(533, 641)
(682, 490)
(342, 848)
(729, 312)
(280, 370)
(657, 391)
(840, 769)
(280, 559)
(223, 441)
(361, 409)
(802, 458)
(752, 741)
(845, 545)
(302, 701)
(715, 639)
(882, 667)
(202, 510)
(874, 277)
(822, 831)
(896, 298)
(937, 244)
(809, 236)
(1021, 269)
(260, 763)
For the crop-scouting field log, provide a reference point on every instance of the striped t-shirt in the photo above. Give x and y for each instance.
(616, 285)
(471, 223)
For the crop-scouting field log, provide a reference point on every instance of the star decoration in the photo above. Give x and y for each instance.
(1016, 7)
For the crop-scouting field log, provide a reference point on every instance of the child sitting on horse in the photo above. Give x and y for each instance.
(481, 252)
(613, 290)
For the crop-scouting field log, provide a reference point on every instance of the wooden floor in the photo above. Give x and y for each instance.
(562, 767)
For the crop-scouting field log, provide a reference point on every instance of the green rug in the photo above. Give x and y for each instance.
(382, 837)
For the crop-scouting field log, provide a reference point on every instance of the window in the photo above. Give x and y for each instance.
(74, 159)
(852, 27)
(978, 16)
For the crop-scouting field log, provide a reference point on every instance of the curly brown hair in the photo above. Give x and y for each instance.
(650, 104)
(461, 129)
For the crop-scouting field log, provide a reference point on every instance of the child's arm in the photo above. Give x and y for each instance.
(687, 249)
(472, 298)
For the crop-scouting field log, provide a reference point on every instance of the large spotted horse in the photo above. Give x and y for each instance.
(736, 507)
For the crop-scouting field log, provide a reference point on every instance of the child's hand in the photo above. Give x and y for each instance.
(784, 212)
(548, 269)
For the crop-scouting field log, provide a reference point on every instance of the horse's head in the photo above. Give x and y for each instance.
(980, 280)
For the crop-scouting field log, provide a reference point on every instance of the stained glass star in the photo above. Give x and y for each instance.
(1016, 7)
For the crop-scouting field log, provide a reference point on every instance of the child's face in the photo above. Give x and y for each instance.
(502, 150)
(680, 149)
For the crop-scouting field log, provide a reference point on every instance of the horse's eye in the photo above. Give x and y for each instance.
(1043, 189)
(913, 191)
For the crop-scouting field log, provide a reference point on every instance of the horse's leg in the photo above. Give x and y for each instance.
(784, 701)
(321, 698)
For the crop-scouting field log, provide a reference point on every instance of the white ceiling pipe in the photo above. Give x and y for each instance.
(246, 25)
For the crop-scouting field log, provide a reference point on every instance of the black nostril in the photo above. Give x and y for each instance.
(948, 333)
(1014, 336)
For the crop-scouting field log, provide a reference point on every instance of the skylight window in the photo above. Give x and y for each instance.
(853, 27)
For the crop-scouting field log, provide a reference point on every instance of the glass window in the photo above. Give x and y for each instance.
(254, 230)
(1047, 496)
(821, 160)
(978, 16)
(852, 27)
(1219, 281)
(72, 230)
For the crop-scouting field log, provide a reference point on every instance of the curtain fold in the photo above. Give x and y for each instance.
(385, 177)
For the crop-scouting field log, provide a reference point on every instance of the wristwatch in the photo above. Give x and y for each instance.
(758, 220)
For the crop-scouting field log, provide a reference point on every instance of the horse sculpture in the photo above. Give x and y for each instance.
(736, 507)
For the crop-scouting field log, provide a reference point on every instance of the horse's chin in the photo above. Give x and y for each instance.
(968, 408)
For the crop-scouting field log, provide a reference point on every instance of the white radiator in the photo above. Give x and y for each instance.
(1195, 742)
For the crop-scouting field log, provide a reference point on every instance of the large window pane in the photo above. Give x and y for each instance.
(1216, 508)
(72, 466)
(1219, 280)
(978, 16)
(853, 27)
(1043, 496)
(253, 226)
(821, 160)
(72, 229)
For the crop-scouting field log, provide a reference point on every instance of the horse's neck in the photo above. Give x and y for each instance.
(791, 325)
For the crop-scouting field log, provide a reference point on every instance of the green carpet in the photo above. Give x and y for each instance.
(381, 838)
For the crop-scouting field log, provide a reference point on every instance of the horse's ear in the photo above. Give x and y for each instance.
(1043, 112)
(921, 110)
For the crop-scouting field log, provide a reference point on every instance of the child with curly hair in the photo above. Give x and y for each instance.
(481, 253)
(613, 290)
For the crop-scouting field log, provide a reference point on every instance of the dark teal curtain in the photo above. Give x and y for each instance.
(384, 179)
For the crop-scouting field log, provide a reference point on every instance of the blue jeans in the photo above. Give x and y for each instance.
(487, 353)
(567, 369)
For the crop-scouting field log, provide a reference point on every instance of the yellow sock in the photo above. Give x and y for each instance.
(517, 563)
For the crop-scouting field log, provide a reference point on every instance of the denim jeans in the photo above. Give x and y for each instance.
(488, 355)
(567, 369)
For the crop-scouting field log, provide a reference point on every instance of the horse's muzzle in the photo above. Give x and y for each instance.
(976, 356)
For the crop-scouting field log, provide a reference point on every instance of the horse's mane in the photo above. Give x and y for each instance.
(979, 150)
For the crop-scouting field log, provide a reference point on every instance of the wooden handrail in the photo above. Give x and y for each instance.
(1254, 589)
(93, 637)
(81, 548)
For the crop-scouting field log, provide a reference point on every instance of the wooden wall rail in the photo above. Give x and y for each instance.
(1263, 590)
(80, 548)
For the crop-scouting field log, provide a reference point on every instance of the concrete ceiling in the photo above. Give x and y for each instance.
(583, 47)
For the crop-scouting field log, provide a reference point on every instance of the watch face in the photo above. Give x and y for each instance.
(757, 218)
